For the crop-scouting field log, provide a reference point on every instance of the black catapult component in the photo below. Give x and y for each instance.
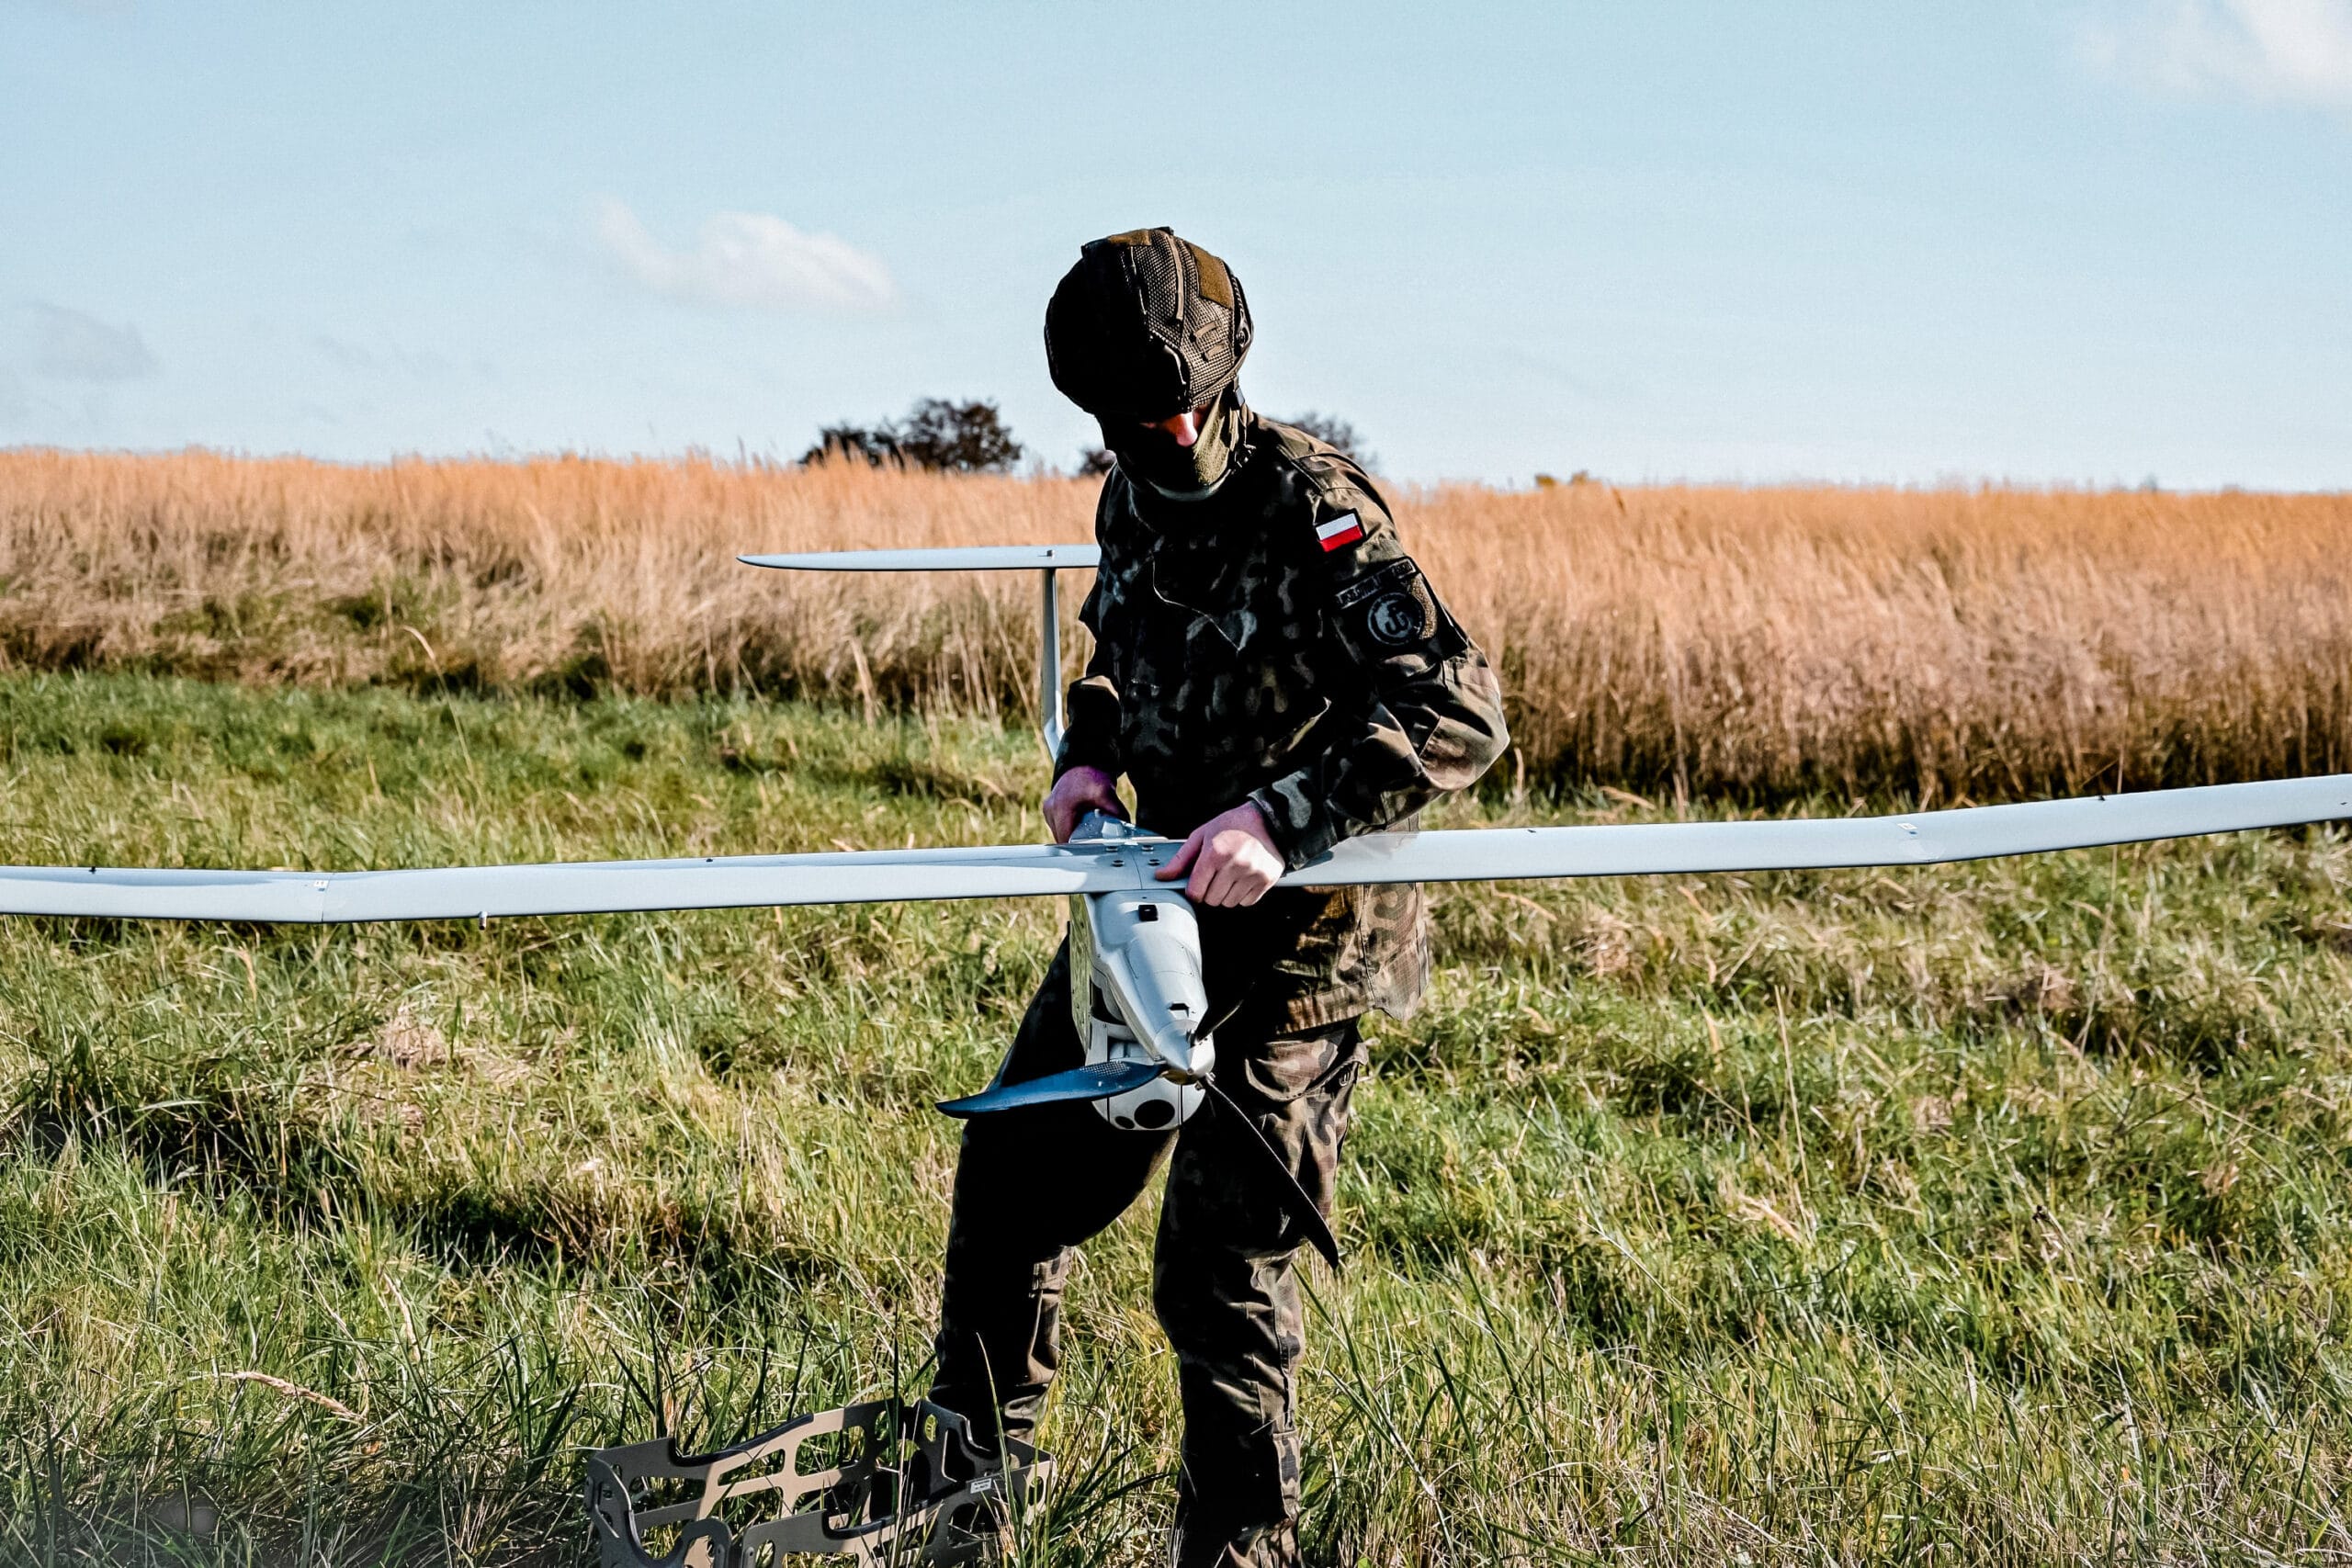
(901, 1485)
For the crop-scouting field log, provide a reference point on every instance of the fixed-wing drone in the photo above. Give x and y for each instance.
(1138, 1000)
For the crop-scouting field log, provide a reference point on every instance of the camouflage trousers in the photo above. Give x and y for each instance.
(1033, 1183)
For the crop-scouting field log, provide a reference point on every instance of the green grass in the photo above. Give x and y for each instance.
(1981, 1213)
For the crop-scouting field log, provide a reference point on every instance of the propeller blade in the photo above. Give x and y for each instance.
(1294, 1197)
(1100, 1081)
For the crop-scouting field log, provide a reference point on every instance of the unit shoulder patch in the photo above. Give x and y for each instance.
(1394, 609)
(1401, 617)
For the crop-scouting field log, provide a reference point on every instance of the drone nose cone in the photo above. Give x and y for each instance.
(1147, 954)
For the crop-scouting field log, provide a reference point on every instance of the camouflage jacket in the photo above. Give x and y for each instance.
(1273, 643)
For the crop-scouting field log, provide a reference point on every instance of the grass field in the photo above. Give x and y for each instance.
(1980, 1213)
(1759, 645)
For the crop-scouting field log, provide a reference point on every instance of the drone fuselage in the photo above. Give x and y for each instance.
(1137, 993)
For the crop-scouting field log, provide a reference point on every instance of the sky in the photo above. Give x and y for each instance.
(2098, 243)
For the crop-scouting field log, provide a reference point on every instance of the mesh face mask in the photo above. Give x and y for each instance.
(1182, 473)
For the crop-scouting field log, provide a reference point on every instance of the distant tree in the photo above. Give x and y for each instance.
(1331, 429)
(962, 438)
(949, 437)
(1096, 460)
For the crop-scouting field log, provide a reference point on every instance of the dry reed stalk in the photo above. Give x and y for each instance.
(1766, 643)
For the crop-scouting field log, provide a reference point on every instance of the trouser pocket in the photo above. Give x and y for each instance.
(1286, 1067)
(1235, 1483)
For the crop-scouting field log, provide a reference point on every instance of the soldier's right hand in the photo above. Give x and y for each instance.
(1075, 792)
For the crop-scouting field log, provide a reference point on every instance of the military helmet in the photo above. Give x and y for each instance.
(1145, 326)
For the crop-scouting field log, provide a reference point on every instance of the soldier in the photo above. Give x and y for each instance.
(1272, 673)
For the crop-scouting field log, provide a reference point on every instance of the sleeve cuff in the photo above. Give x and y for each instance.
(1082, 751)
(1301, 832)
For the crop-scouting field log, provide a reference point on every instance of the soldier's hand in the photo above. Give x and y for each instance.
(1230, 859)
(1075, 794)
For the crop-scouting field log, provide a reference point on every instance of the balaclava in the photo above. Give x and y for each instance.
(1145, 326)
(1182, 473)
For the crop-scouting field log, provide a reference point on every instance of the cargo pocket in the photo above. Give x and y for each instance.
(1280, 1070)
(1248, 1490)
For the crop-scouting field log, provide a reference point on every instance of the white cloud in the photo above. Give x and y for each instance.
(2293, 50)
(68, 346)
(748, 261)
(347, 356)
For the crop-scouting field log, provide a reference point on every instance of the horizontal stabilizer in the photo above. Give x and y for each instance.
(1096, 1080)
(868, 876)
(968, 557)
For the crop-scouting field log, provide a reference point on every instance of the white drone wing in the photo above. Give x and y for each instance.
(1033, 870)
(580, 887)
(1920, 838)
(968, 558)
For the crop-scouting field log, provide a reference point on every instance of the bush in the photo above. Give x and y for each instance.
(1333, 431)
(877, 447)
(945, 436)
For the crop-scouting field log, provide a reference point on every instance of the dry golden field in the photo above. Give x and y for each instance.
(1762, 643)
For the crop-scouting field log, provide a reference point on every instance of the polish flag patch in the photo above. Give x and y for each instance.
(1344, 529)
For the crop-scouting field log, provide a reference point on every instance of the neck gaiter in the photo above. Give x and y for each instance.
(1183, 473)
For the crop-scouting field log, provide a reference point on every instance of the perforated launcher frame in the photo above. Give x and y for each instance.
(888, 1501)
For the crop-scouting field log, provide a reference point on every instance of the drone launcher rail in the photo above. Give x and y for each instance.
(887, 1496)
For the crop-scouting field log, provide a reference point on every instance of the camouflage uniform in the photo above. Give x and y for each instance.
(1272, 644)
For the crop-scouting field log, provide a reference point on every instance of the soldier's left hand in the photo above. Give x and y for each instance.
(1230, 859)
